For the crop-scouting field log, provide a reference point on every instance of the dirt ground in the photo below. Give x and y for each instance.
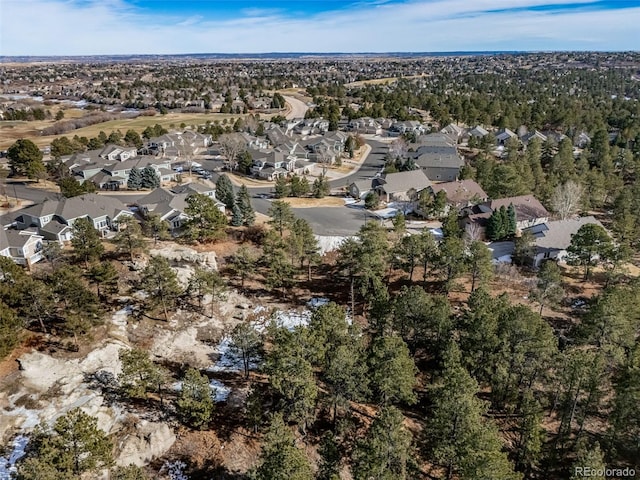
(314, 202)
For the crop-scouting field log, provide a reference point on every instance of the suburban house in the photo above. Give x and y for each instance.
(170, 205)
(529, 211)
(553, 238)
(109, 168)
(439, 163)
(527, 137)
(366, 125)
(270, 165)
(504, 135)
(461, 193)
(453, 130)
(360, 188)
(53, 219)
(23, 247)
(477, 132)
(402, 186)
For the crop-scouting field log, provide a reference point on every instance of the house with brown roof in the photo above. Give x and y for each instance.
(461, 193)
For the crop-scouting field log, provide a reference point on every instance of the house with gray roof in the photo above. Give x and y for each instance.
(23, 247)
(360, 188)
(403, 186)
(53, 219)
(441, 163)
(170, 205)
(553, 238)
(504, 135)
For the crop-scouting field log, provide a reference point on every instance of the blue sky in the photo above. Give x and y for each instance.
(84, 27)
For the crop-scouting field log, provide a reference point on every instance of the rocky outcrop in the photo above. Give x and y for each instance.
(182, 254)
(147, 441)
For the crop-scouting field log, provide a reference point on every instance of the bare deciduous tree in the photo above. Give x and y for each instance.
(398, 148)
(231, 145)
(566, 199)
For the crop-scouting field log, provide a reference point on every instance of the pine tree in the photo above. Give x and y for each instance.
(206, 223)
(105, 277)
(589, 459)
(280, 458)
(150, 178)
(140, 375)
(236, 217)
(129, 237)
(480, 264)
(304, 244)
(86, 241)
(291, 376)
(330, 457)
(75, 445)
(281, 216)
(224, 191)
(242, 263)
(511, 220)
(195, 402)
(244, 203)
(246, 342)
(461, 440)
(392, 371)
(281, 188)
(320, 188)
(160, 282)
(134, 182)
(384, 454)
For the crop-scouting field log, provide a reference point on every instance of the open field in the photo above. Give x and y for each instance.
(380, 81)
(10, 131)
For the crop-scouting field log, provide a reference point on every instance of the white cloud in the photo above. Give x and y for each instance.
(68, 27)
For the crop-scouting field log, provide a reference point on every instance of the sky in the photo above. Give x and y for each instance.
(110, 27)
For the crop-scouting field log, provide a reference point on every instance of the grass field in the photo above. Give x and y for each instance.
(10, 131)
(379, 81)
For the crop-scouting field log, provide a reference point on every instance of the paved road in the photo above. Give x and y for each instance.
(298, 107)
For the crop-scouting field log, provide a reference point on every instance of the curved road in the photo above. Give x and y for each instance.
(298, 107)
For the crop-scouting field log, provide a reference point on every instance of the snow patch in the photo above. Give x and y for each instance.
(8, 462)
(316, 302)
(329, 243)
(220, 391)
(229, 360)
(175, 470)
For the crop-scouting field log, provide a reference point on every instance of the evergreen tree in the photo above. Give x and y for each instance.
(625, 418)
(480, 264)
(206, 223)
(160, 282)
(246, 342)
(291, 376)
(149, 177)
(320, 188)
(105, 277)
(280, 458)
(304, 244)
(25, 158)
(461, 440)
(281, 216)
(205, 281)
(589, 459)
(244, 203)
(195, 402)
(281, 188)
(385, 453)
(154, 227)
(242, 263)
(589, 246)
(330, 457)
(140, 375)
(452, 260)
(134, 182)
(511, 220)
(75, 445)
(86, 241)
(10, 326)
(236, 217)
(131, 472)
(224, 191)
(392, 371)
(129, 237)
(548, 289)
